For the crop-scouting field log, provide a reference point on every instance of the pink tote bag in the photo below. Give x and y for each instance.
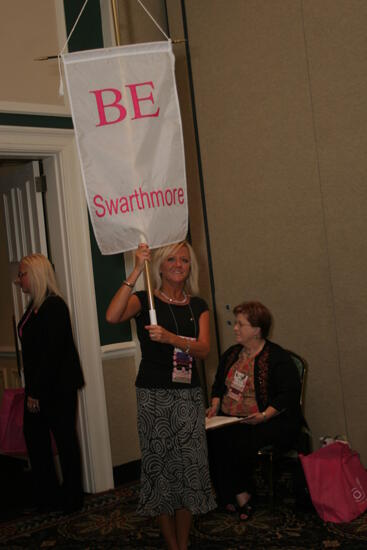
(11, 422)
(12, 440)
(337, 482)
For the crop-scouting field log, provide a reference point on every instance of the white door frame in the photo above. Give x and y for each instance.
(71, 231)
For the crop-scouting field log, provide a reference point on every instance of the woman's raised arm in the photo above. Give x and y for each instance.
(123, 305)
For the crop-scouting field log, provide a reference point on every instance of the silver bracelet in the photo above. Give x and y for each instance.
(130, 285)
(264, 415)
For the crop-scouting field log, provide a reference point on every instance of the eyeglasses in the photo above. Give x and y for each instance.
(21, 274)
(239, 324)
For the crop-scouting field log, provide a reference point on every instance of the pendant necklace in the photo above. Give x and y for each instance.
(192, 318)
(171, 300)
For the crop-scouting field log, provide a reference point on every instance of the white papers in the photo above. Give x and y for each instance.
(219, 421)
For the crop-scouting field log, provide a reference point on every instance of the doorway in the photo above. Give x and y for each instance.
(70, 248)
(22, 232)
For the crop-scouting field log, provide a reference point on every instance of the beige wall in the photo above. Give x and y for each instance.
(119, 378)
(336, 46)
(281, 110)
(33, 30)
(136, 26)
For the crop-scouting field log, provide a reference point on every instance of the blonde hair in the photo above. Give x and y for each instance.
(161, 254)
(41, 277)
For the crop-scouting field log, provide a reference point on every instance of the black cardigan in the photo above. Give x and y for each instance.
(50, 359)
(276, 378)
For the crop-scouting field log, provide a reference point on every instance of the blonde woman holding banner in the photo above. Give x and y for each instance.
(175, 479)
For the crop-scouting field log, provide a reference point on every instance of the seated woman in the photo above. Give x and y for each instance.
(257, 380)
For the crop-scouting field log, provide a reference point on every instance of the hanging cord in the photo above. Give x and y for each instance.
(61, 86)
(152, 18)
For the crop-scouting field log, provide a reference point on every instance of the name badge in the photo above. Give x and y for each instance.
(238, 385)
(182, 366)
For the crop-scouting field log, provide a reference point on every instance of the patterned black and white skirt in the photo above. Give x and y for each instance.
(174, 464)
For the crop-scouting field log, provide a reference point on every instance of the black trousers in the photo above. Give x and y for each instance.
(57, 415)
(233, 453)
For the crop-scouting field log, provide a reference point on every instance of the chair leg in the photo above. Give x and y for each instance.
(271, 481)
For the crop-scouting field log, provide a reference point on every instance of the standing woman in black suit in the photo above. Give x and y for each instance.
(53, 376)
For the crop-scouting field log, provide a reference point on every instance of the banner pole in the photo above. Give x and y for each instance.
(152, 313)
(115, 22)
(148, 284)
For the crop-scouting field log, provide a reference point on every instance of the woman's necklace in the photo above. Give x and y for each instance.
(192, 318)
(172, 300)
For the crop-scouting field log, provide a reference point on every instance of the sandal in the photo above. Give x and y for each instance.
(245, 512)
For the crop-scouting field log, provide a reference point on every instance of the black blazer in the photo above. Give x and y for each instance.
(50, 358)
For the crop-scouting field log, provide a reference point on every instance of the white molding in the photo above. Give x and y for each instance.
(23, 236)
(7, 349)
(29, 204)
(24, 142)
(8, 231)
(13, 202)
(7, 352)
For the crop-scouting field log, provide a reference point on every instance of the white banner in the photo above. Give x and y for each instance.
(128, 128)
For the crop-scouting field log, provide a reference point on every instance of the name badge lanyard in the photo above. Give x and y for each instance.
(182, 361)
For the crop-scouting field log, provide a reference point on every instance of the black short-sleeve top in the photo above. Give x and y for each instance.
(156, 365)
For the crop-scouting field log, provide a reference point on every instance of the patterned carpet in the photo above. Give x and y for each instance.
(108, 521)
